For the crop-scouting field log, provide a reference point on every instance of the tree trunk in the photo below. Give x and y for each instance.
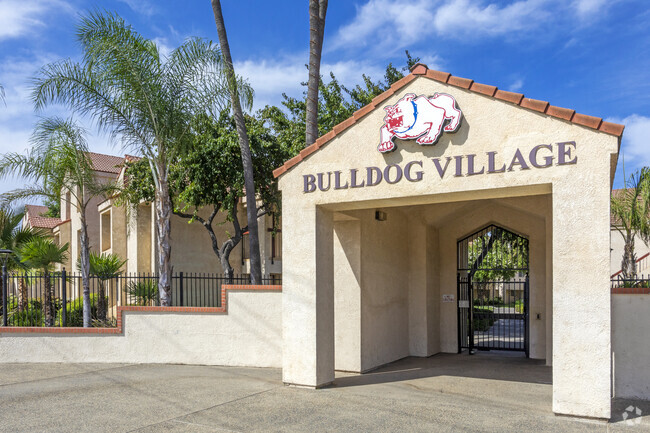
(85, 268)
(317, 12)
(628, 264)
(48, 304)
(163, 228)
(247, 161)
(102, 304)
(23, 302)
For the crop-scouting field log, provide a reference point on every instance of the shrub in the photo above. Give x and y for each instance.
(144, 292)
(28, 317)
(74, 311)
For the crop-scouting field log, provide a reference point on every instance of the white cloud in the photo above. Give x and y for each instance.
(19, 18)
(516, 85)
(391, 25)
(143, 7)
(271, 78)
(635, 147)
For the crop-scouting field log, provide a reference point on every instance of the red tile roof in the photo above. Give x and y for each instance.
(106, 163)
(36, 220)
(421, 70)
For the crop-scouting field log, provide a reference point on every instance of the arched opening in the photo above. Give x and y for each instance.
(493, 291)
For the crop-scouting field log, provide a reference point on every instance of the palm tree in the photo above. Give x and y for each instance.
(43, 254)
(631, 208)
(317, 12)
(137, 95)
(59, 158)
(104, 267)
(12, 237)
(244, 145)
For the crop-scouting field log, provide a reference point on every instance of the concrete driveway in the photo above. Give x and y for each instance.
(483, 392)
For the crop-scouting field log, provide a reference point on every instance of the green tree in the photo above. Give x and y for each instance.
(43, 254)
(336, 104)
(60, 159)
(317, 14)
(12, 237)
(211, 176)
(244, 144)
(631, 209)
(104, 267)
(141, 97)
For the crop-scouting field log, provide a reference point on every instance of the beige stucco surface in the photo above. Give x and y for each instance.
(571, 232)
(248, 335)
(630, 349)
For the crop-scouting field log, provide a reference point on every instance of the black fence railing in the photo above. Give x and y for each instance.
(56, 299)
(640, 282)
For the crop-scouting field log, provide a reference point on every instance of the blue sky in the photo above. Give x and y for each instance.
(589, 55)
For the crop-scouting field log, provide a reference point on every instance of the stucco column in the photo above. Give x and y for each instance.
(581, 299)
(307, 296)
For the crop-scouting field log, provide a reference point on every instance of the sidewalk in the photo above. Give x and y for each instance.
(442, 393)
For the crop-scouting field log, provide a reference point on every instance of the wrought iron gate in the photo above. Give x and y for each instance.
(493, 291)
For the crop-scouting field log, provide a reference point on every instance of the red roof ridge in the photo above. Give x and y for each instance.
(422, 70)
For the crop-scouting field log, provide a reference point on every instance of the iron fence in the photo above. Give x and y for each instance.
(56, 299)
(640, 282)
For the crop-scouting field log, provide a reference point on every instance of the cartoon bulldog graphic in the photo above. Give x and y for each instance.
(419, 117)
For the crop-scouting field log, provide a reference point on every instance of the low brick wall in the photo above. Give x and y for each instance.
(631, 342)
(245, 331)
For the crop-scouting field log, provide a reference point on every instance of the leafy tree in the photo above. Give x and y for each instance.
(43, 254)
(211, 176)
(317, 13)
(12, 237)
(60, 157)
(104, 267)
(336, 104)
(244, 144)
(497, 255)
(141, 97)
(631, 208)
(53, 204)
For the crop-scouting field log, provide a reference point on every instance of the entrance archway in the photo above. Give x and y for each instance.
(493, 291)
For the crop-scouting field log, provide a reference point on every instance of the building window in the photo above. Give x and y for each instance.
(275, 233)
(106, 230)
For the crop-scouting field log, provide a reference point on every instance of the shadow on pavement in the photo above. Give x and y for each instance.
(506, 366)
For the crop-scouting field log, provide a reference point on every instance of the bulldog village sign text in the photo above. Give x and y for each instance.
(540, 156)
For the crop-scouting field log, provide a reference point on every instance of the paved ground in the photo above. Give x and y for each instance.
(483, 392)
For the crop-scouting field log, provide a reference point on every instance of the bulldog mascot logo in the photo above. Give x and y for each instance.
(419, 117)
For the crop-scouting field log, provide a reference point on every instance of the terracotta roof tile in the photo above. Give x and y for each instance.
(512, 97)
(561, 113)
(535, 105)
(420, 69)
(483, 89)
(106, 163)
(588, 121)
(36, 220)
(463, 83)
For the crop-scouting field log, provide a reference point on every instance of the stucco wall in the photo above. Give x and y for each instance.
(630, 349)
(579, 223)
(247, 335)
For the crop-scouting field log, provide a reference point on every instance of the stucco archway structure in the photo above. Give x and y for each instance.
(370, 237)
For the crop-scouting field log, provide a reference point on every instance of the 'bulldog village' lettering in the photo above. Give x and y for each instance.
(540, 156)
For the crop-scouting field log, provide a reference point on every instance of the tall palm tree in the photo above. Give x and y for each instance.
(317, 13)
(59, 158)
(141, 98)
(43, 254)
(12, 237)
(244, 145)
(631, 208)
(104, 267)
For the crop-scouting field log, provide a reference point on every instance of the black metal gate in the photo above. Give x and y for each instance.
(493, 291)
